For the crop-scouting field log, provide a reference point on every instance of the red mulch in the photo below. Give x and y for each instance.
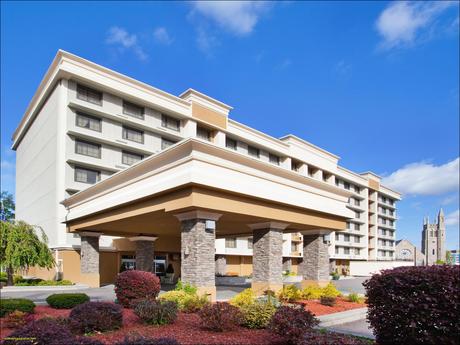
(341, 305)
(187, 329)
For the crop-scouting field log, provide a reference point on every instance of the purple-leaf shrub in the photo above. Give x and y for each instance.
(96, 317)
(131, 286)
(415, 305)
(220, 317)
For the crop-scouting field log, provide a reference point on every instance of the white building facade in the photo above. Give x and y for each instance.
(86, 123)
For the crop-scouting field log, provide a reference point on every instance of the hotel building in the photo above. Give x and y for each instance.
(116, 171)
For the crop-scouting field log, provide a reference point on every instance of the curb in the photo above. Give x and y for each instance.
(342, 317)
(44, 288)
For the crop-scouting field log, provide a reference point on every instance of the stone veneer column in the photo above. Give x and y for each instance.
(267, 262)
(198, 250)
(145, 254)
(315, 265)
(89, 259)
(221, 265)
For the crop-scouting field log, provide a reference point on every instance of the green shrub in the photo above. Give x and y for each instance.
(330, 291)
(290, 293)
(17, 319)
(186, 302)
(328, 300)
(66, 300)
(155, 312)
(354, 297)
(312, 292)
(258, 314)
(186, 287)
(22, 304)
(243, 299)
(40, 282)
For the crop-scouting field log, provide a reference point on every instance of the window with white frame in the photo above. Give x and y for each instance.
(165, 143)
(133, 110)
(87, 149)
(250, 242)
(230, 143)
(274, 159)
(89, 95)
(253, 151)
(85, 175)
(346, 250)
(230, 242)
(133, 135)
(203, 133)
(129, 158)
(170, 122)
(89, 122)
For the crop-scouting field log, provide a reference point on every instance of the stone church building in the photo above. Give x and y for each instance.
(434, 239)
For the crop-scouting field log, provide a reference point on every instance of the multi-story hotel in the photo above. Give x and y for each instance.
(116, 172)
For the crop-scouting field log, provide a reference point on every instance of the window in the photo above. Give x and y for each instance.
(357, 227)
(348, 225)
(230, 242)
(133, 110)
(346, 250)
(295, 165)
(250, 240)
(337, 237)
(128, 262)
(165, 143)
(357, 215)
(337, 250)
(230, 143)
(392, 223)
(274, 159)
(346, 185)
(87, 149)
(433, 251)
(87, 175)
(203, 133)
(87, 121)
(253, 151)
(160, 265)
(133, 135)
(89, 95)
(337, 182)
(170, 122)
(311, 171)
(357, 189)
(346, 237)
(357, 250)
(357, 202)
(130, 158)
(357, 239)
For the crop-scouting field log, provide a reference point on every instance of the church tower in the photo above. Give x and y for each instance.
(441, 238)
(433, 239)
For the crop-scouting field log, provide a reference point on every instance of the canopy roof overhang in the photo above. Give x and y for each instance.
(197, 175)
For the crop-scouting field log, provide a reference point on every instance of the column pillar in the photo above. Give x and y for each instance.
(287, 264)
(221, 265)
(267, 260)
(315, 265)
(198, 236)
(145, 254)
(89, 258)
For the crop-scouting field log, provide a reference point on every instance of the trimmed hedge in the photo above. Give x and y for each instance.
(415, 305)
(96, 317)
(136, 285)
(66, 300)
(22, 304)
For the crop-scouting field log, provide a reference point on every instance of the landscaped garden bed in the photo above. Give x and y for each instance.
(342, 304)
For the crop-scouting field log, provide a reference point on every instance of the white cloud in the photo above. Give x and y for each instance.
(423, 178)
(342, 68)
(162, 36)
(402, 23)
(452, 218)
(285, 64)
(449, 200)
(237, 17)
(123, 40)
(206, 41)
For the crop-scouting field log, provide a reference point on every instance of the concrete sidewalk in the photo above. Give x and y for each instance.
(360, 328)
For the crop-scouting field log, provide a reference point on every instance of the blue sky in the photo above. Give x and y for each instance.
(323, 71)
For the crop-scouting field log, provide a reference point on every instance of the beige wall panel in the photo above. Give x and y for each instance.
(108, 267)
(374, 184)
(207, 115)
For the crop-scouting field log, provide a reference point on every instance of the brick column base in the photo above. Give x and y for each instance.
(315, 265)
(268, 258)
(89, 259)
(198, 251)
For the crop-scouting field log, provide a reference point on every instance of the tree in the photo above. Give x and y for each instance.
(21, 246)
(7, 206)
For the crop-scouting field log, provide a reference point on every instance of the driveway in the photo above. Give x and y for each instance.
(107, 293)
(354, 284)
